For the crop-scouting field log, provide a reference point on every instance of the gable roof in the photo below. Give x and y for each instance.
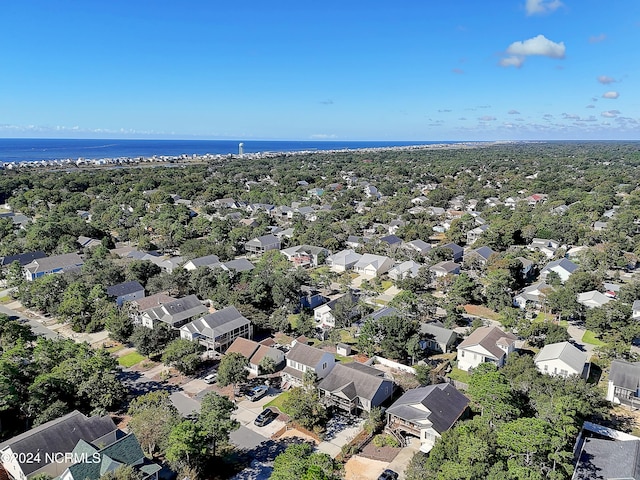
(244, 347)
(217, 323)
(239, 265)
(438, 333)
(484, 252)
(22, 258)
(489, 338)
(565, 352)
(353, 380)
(371, 260)
(563, 263)
(344, 257)
(440, 404)
(47, 264)
(263, 241)
(207, 261)
(624, 374)
(593, 298)
(152, 301)
(124, 288)
(59, 435)
(177, 310)
(391, 239)
(305, 354)
(606, 457)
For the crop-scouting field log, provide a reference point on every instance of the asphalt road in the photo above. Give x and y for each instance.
(36, 326)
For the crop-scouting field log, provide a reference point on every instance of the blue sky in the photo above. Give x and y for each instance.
(341, 70)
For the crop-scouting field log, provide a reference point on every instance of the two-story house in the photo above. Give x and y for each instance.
(217, 330)
(485, 344)
(303, 358)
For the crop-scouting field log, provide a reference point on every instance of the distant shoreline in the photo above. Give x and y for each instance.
(189, 159)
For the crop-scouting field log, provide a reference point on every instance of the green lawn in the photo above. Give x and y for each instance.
(130, 359)
(387, 284)
(5, 299)
(293, 320)
(278, 401)
(460, 375)
(115, 348)
(342, 359)
(592, 339)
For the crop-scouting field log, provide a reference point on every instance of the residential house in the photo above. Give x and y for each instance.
(354, 387)
(22, 258)
(141, 304)
(262, 244)
(563, 359)
(55, 264)
(218, 330)
(436, 338)
(427, 412)
(445, 268)
(485, 344)
(175, 313)
(624, 383)
(419, 246)
(238, 265)
(391, 240)
(527, 267)
(599, 226)
(405, 270)
(544, 245)
(225, 203)
(126, 292)
(480, 255)
(476, 233)
(30, 453)
(255, 353)
(86, 242)
(536, 198)
(593, 299)
(563, 267)
(115, 450)
(323, 314)
(354, 241)
(302, 358)
(315, 192)
(419, 200)
(343, 261)
(210, 261)
(603, 453)
(311, 298)
(370, 265)
(436, 211)
(306, 255)
(372, 192)
(511, 203)
(534, 295)
(456, 250)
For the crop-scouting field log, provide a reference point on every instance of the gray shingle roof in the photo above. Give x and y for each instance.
(624, 374)
(444, 405)
(59, 435)
(217, 323)
(124, 288)
(305, 354)
(564, 351)
(353, 380)
(605, 459)
(177, 310)
(439, 334)
(55, 262)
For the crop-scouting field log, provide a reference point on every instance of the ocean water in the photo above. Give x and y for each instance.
(29, 149)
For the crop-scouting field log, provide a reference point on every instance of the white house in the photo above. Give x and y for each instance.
(405, 270)
(486, 344)
(445, 268)
(624, 383)
(343, 261)
(593, 299)
(323, 315)
(219, 329)
(562, 359)
(544, 245)
(371, 265)
(304, 358)
(533, 295)
(563, 267)
(211, 261)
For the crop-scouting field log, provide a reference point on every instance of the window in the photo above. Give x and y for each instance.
(324, 365)
(546, 368)
(462, 353)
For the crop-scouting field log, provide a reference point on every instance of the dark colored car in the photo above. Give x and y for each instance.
(388, 475)
(265, 417)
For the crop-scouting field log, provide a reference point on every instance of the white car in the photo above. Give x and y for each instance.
(211, 378)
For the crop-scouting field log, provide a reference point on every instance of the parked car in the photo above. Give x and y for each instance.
(265, 417)
(388, 475)
(256, 393)
(211, 378)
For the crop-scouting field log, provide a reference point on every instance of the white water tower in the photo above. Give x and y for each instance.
(241, 149)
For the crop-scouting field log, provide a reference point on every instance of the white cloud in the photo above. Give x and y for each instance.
(539, 45)
(322, 136)
(540, 7)
(610, 95)
(570, 116)
(610, 113)
(513, 112)
(606, 80)
(486, 118)
(590, 106)
(512, 61)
